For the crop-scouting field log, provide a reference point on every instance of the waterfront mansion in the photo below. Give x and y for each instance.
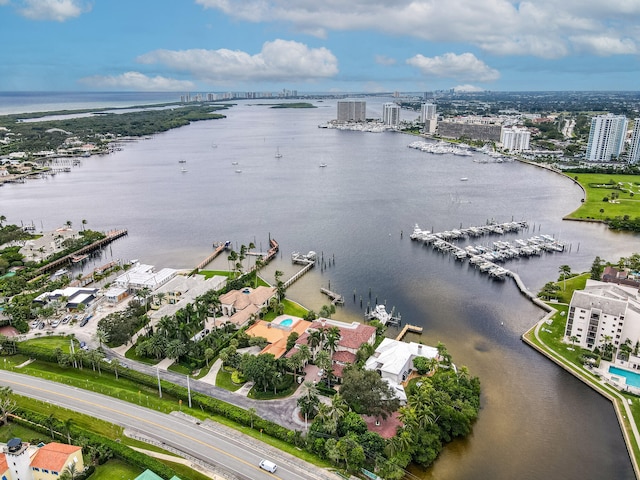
(604, 313)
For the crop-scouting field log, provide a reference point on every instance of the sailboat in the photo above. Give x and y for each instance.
(278, 154)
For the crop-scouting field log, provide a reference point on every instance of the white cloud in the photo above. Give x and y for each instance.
(139, 82)
(279, 60)
(605, 45)
(542, 28)
(468, 88)
(384, 60)
(465, 66)
(57, 10)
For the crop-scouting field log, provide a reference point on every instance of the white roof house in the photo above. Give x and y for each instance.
(393, 359)
(144, 276)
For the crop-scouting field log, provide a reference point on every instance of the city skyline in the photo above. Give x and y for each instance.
(360, 46)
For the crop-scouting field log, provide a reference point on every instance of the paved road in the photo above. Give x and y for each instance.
(230, 451)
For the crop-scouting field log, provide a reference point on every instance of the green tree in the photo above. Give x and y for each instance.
(565, 271)
(367, 393)
(596, 269)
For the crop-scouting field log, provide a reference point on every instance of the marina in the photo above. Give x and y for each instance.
(485, 257)
(379, 312)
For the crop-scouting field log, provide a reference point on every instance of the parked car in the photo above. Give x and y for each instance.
(66, 319)
(35, 323)
(83, 346)
(268, 466)
(85, 320)
(55, 323)
(41, 326)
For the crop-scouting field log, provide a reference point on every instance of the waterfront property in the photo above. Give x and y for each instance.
(141, 277)
(241, 305)
(22, 461)
(393, 360)
(604, 313)
(277, 332)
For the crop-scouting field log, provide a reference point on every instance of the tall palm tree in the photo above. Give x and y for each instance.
(565, 271)
(67, 427)
(332, 338)
(84, 222)
(70, 472)
(2, 220)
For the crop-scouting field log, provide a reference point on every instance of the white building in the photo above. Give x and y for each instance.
(351, 111)
(391, 114)
(393, 360)
(603, 310)
(606, 137)
(634, 151)
(429, 117)
(141, 276)
(515, 139)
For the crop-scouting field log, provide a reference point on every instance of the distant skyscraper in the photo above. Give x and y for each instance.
(634, 152)
(606, 137)
(429, 117)
(351, 111)
(515, 139)
(391, 114)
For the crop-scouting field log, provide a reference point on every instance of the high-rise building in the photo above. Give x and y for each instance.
(429, 117)
(391, 114)
(606, 137)
(515, 139)
(351, 111)
(634, 151)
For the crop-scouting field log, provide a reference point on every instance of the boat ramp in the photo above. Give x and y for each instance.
(485, 257)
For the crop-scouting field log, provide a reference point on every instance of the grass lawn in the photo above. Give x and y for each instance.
(116, 469)
(184, 471)
(570, 285)
(212, 273)
(599, 186)
(179, 368)
(223, 380)
(131, 355)
(53, 342)
(13, 430)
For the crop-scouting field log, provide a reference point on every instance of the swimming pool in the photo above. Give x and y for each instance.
(287, 322)
(633, 378)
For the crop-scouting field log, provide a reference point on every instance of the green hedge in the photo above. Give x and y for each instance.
(110, 447)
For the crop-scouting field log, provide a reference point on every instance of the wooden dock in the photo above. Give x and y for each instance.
(110, 237)
(336, 298)
(408, 328)
(219, 249)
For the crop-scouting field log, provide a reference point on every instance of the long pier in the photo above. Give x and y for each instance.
(110, 237)
(218, 250)
(408, 328)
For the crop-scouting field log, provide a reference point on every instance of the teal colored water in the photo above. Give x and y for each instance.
(633, 378)
(286, 322)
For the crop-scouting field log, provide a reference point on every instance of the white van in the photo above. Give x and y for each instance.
(268, 466)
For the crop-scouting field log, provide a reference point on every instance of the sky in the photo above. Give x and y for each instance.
(339, 46)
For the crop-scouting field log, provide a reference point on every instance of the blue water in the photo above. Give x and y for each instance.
(633, 378)
(286, 322)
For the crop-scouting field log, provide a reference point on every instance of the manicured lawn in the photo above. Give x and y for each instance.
(179, 368)
(131, 355)
(223, 380)
(13, 430)
(184, 471)
(599, 186)
(53, 342)
(212, 273)
(116, 469)
(570, 285)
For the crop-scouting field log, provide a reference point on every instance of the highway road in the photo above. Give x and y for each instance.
(236, 456)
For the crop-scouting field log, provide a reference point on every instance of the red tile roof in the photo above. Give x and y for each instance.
(344, 357)
(54, 456)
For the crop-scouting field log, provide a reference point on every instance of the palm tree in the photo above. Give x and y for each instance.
(2, 220)
(208, 355)
(323, 361)
(68, 223)
(573, 339)
(565, 270)
(84, 222)
(102, 336)
(258, 265)
(231, 259)
(315, 339)
(70, 472)
(332, 338)
(67, 427)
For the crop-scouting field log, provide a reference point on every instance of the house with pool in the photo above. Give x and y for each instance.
(242, 305)
(608, 313)
(277, 332)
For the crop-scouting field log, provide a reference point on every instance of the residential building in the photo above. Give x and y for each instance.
(351, 111)
(476, 128)
(241, 305)
(393, 360)
(22, 461)
(602, 313)
(634, 150)
(606, 137)
(352, 336)
(515, 139)
(391, 114)
(429, 117)
(277, 332)
(141, 277)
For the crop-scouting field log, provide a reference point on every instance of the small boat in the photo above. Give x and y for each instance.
(322, 165)
(278, 154)
(182, 161)
(238, 171)
(234, 163)
(61, 272)
(183, 170)
(464, 179)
